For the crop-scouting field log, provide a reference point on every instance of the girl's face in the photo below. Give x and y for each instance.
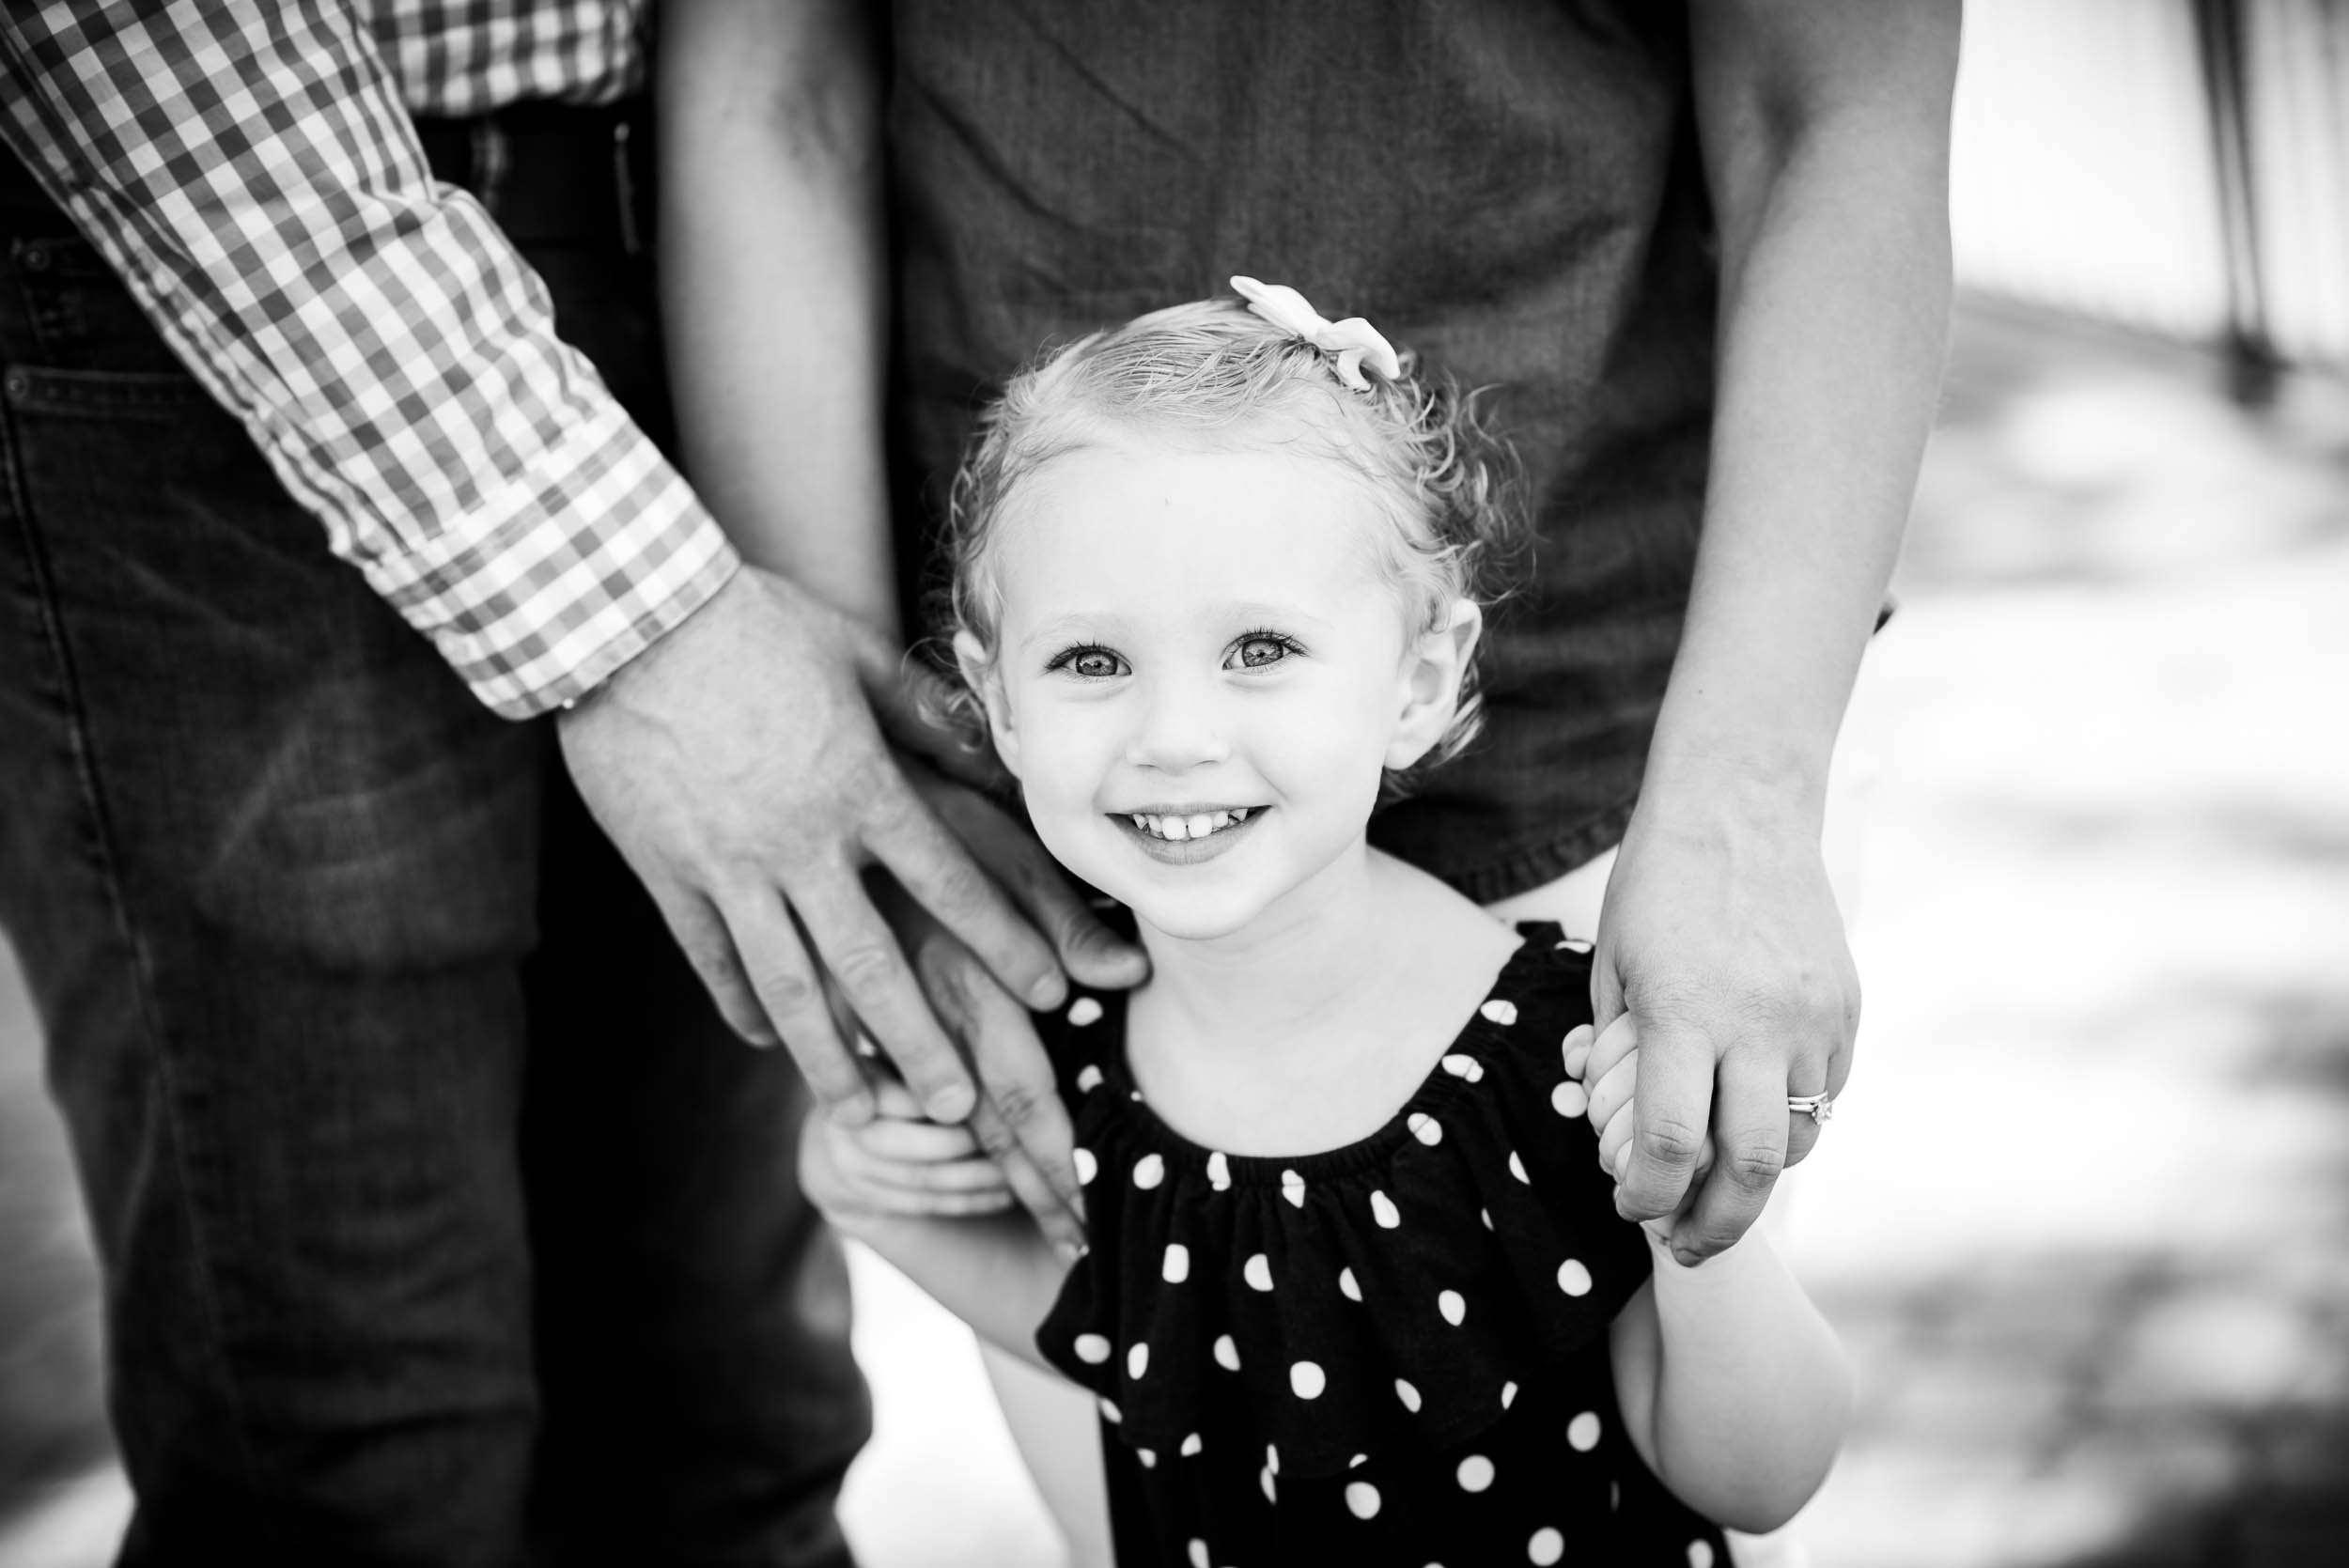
(1201, 675)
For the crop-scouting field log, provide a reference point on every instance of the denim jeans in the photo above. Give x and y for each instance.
(442, 1220)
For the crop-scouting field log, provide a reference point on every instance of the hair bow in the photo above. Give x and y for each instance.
(1348, 342)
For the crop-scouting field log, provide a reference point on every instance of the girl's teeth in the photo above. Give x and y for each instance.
(1175, 829)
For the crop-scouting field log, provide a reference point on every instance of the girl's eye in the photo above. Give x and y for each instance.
(1260, 649)
(1090, 663)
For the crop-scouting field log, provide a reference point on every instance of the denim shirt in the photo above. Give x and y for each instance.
(1509, 187)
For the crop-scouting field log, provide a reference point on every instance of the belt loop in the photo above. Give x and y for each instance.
(493, 156)
(624, 185)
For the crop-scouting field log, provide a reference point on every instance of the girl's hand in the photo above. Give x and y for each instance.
(899, 1163)
(1609, 1067)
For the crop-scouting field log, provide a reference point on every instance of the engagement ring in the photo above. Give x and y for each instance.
(1817, 1107)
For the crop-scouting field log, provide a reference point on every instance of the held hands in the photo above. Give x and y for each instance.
(1721, 938)
(899, 1163)
(742, 765)
(1609, 1067)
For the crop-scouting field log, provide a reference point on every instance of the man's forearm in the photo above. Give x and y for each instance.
(775, 286)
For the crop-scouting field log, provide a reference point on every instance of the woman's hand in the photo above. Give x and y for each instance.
(899, 1163)
(1609, 1067)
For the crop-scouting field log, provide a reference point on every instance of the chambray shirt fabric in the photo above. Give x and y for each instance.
(1509, 187)
(254, 175)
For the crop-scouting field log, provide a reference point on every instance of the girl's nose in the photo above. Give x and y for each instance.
(1180, 725)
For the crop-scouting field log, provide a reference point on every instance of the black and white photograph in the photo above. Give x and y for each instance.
(1255, 783)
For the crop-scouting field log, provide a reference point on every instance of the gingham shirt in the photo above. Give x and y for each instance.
(250, 170)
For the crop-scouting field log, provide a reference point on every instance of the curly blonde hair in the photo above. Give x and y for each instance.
(1214, 373)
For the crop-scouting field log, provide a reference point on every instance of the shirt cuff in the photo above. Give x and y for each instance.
(558, 580)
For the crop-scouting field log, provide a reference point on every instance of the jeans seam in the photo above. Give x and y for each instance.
(162, 1092)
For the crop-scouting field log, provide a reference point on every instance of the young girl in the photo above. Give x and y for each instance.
(1356, 1290)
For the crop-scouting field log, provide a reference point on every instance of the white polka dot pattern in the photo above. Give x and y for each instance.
(1408, 1395)
(1306, 1380)
(1198, 1554)
(1573, 1278)
(1582, 1431)
(1700, 1554)
(1545, 1547)
(1137, 1359)
(1426, 1129)
(1176, 1266)
(1362, 1500)
(1218, 1171)
(1508, 1395)
(1092, 1349)
(1258, 1271)
(1501, 1012)
(1150, 1170)
(1569, 1099)
(1088, 1079)
(1190, 1445)
(1382, 1209)
(1226, 1353)
(1293, 1188)
(1452, 1305)
(1347, 1286)
(1464, 1066)
(1086, 1168)
(1517, 1168)
(1083, 1011)
(1476, 1473)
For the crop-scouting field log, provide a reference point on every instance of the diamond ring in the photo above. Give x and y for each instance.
(1817, 1107)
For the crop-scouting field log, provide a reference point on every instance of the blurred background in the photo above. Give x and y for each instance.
(2085, 1219)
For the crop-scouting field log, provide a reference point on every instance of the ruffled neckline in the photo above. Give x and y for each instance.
(1435, 1095)
(1386, 1295)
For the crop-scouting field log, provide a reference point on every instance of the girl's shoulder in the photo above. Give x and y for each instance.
(1394, 1291)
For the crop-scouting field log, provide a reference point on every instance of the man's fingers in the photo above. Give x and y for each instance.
(1061, 1225)
(792, 997)
(1749, 1132)
(864, 960)
(1089, 950)
(1020, 1110)
(939, 874)
(701, 936)
(1668, 1114)
(1020, 1120)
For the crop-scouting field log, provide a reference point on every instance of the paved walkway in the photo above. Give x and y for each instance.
(2085, 1220)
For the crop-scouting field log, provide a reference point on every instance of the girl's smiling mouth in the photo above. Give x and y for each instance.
(1187, 836)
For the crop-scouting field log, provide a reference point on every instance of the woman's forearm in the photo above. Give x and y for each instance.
(1826, 129)
(1750, 1391)
(776, 285)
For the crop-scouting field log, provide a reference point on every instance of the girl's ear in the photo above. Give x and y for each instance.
(979, 673)
(1433, 669)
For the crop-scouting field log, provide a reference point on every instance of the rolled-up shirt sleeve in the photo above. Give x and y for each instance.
(250, 172)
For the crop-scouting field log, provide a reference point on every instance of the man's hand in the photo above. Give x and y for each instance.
(1020, 1120)
(739, 766)
(1721, 938)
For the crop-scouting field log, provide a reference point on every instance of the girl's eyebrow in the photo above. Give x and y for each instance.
(1240, 615)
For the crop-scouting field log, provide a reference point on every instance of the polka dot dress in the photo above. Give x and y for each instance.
(1391, 1353)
